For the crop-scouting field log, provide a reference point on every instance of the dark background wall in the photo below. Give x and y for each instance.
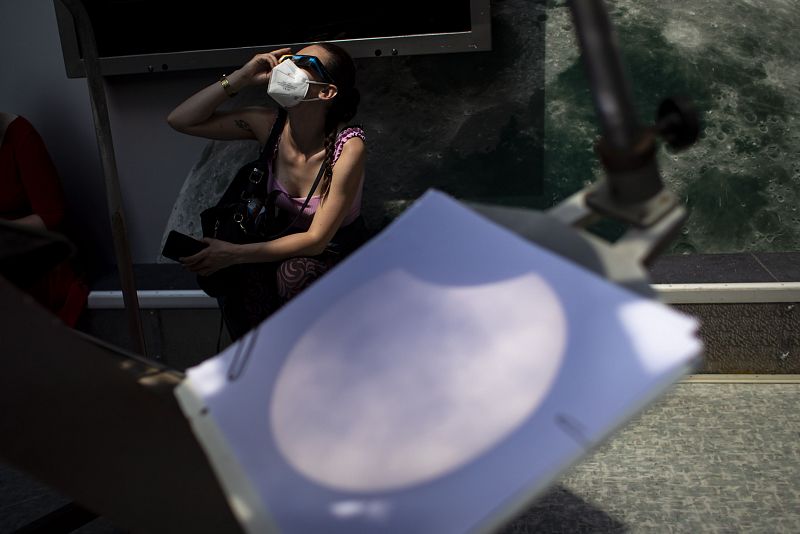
(514, 125)
(470, 124)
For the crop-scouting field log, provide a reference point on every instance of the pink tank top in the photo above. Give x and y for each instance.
(292, 204)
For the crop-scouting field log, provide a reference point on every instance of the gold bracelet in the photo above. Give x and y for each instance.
(226, 85)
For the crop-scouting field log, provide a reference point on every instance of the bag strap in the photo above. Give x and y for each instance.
(272, 140)
(257, 188)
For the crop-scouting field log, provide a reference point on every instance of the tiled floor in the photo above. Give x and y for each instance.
(704, 458)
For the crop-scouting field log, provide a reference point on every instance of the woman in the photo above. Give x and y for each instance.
(31, 195)
(320, 100)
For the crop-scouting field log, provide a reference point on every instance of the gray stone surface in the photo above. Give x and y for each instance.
(704, 458)
(735, 61)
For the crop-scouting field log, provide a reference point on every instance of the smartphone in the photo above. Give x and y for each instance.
(180, 245)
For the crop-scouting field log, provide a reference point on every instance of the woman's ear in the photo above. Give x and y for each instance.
(327, 93)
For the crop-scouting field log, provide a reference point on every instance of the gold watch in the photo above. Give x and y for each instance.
(226, 85)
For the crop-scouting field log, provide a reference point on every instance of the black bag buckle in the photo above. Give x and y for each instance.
(238, 218)
(256, 175)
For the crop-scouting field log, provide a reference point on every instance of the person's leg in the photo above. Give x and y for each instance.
(259, 296)
(250, 299)
(266, 287)
(233, 315)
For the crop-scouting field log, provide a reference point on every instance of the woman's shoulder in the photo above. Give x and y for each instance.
(5, 121)
(16, 128)
(348, 131)
(7, 118)
(16, 122)
(346, 134)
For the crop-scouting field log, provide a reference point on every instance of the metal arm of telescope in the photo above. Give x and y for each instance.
(632, 191)
(94, 79)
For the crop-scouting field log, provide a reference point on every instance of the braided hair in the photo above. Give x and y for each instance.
(343, 106)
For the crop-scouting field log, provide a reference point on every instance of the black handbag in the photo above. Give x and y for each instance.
(238, 217)
(233, 218)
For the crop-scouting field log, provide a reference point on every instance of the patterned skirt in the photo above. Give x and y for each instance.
(262, 288)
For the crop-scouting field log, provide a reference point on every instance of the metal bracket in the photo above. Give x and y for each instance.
(624, 261)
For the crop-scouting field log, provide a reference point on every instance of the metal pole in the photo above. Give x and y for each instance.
(626, 149)
(610, 89)
(83, 27)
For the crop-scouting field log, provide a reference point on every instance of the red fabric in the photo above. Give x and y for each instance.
(29, 184)
(29, 181)
(63, 292)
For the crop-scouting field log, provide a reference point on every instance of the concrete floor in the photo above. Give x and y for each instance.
(704, 458)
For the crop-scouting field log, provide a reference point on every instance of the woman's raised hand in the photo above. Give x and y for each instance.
(257, 70)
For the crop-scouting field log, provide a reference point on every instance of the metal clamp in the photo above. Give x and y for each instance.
(242, 355)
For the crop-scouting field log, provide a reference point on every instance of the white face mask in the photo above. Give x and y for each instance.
(288, 84)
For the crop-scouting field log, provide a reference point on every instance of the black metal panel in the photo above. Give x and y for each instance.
(139, 36)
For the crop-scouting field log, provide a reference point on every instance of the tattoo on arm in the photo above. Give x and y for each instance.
(243, 125)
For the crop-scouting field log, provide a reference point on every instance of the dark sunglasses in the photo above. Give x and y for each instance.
(312, 62)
